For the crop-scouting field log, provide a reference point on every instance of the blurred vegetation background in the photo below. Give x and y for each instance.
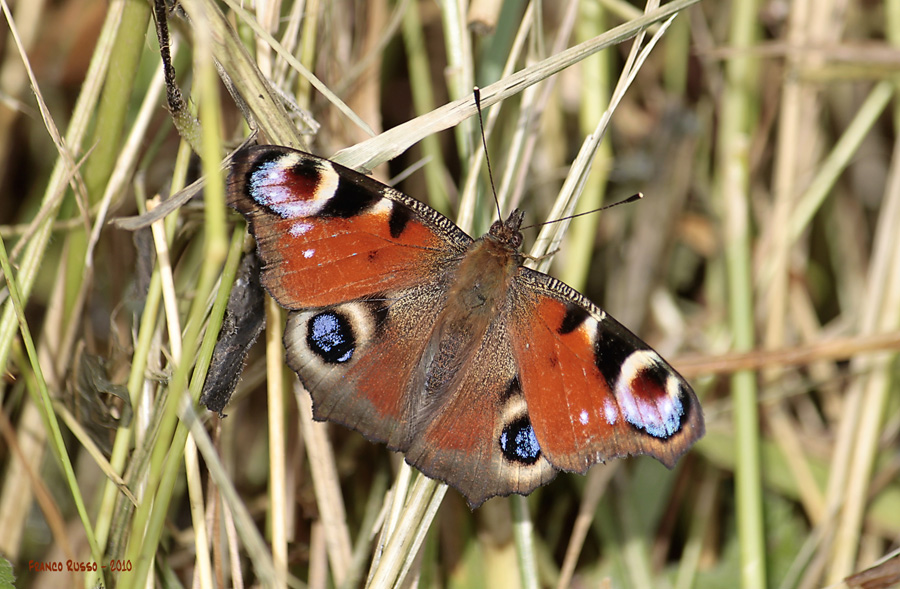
(764, 263)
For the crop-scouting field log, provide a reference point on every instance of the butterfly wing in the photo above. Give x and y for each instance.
(356, 359)
(327, 234)
(476, 438)
(362, 265)
(594, 390)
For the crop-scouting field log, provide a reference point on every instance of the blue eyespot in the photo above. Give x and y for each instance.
(518, 442)
(651, 399)
(330, 336)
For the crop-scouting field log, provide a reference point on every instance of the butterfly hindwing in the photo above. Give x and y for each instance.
(355, 359)
(479, 439)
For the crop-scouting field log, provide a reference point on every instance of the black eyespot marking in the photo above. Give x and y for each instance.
(610, 354)
(400, 216)
(261, 161)
(658, 373)
(688, 406)
(350, 199)
(575, 316)
(380, 310)
(513, 390)
(308, 168)
(330, 336)
(518, 442)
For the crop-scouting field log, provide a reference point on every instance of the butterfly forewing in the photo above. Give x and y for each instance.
(327, 234)
(594, 390)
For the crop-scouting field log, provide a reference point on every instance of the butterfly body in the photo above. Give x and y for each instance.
(486, 374)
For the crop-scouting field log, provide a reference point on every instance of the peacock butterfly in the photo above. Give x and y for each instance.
(486, 374)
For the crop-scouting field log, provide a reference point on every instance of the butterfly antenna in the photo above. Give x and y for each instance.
(624, 201)
(477, 92)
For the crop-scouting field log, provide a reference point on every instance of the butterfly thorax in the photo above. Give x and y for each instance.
(482, 279)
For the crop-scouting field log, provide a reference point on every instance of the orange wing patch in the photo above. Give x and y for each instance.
(340, 259)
